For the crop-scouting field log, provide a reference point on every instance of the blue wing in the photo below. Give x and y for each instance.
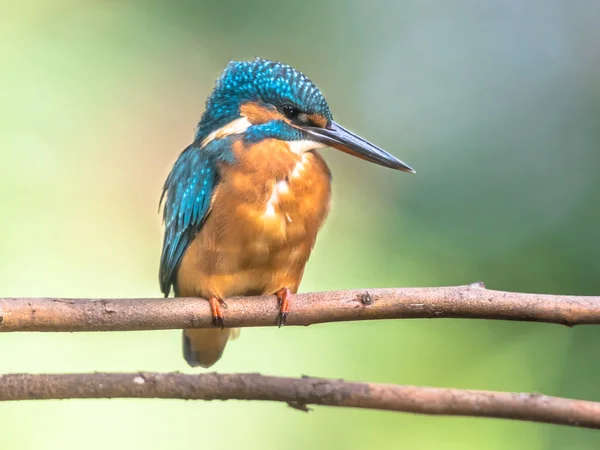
(188, 191)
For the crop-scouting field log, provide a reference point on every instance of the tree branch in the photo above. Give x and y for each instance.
(467, 302)
(472, 301)
(300, 392)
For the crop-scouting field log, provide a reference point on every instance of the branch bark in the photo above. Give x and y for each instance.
(466, 302)
(300, 392)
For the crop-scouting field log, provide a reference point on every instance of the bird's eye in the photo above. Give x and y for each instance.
(289, 111)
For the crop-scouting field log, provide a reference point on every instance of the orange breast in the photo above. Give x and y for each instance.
(265, 214)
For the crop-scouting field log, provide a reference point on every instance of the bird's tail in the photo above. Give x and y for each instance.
(204, 347)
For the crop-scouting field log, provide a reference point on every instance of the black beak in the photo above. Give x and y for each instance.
(338, 137)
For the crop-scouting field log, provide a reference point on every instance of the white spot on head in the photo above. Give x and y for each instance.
(299, 147)
(237, 126)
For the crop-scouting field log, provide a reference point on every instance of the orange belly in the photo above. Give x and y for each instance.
(265, 215)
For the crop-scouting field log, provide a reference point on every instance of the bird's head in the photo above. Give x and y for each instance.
(264, 99)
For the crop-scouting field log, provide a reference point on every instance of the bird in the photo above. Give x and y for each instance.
(243, 203)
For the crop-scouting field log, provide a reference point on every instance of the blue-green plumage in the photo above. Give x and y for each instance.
(189, 188)
(276, 129)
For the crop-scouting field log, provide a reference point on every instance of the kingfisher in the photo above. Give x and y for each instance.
(244, 202)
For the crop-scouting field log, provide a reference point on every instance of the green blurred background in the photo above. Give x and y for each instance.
(495, 104)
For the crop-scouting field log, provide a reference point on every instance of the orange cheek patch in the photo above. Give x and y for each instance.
(318, 119)
(257, 113)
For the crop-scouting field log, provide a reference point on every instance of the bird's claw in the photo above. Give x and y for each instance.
(282, 319)
(218, 322)
(283, 300)
(217, 305)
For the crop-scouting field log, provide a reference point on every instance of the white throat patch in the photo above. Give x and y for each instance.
(299, 147)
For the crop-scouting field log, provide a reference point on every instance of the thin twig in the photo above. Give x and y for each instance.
(467, 302)
(300, 392)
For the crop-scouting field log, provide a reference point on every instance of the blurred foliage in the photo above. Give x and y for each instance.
(495, 104)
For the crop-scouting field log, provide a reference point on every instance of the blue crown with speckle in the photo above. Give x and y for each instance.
(259, 80)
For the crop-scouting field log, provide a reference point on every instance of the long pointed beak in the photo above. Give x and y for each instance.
(336, 136)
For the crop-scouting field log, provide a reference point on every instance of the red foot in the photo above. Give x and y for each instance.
(283, 298)
(217, 305)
